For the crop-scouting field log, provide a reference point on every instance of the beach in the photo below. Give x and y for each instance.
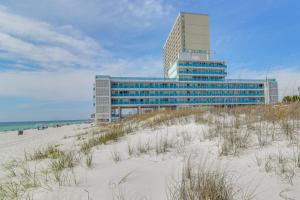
(13, 146)
(148, 157)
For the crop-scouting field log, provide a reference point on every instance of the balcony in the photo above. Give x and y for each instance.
(189, 95)
(217, 65)
(176, 102)
(223, 73)
(223, 86)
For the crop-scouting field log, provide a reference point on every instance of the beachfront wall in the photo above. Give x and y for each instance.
(191, 83)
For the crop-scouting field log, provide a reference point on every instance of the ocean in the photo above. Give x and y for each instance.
(13, 126)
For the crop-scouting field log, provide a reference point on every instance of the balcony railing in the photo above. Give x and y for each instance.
(202, 65)
(176, 102)
(125, 86)
(117, 79)
(191, 94)
(202, 72)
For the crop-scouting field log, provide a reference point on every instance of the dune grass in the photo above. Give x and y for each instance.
(89, 160)
(113, 134)
(67, 160)
(51, 151)
(234, 129)
(200, 182)
(19, 179)
(116, 156)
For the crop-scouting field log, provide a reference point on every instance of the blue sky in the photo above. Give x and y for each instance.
(50, 50)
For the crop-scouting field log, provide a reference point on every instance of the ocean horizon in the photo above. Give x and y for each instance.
(23, 125)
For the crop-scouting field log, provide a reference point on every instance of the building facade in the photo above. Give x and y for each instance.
(190, 79)
(189, 32)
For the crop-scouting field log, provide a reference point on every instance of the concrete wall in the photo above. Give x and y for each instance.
(103, 99)
(271, 91)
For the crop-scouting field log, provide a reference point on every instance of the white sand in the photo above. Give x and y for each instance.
(13, 146)
(148, 176)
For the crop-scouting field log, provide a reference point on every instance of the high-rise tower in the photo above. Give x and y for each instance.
(190, 32)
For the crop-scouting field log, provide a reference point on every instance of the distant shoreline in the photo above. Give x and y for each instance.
(15, 126)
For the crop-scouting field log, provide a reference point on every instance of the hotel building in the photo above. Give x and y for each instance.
(190, 78)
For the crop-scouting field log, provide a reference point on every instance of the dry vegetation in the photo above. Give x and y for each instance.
(201, 182)
(235, 129)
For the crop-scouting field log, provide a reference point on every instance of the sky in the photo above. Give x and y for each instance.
(51, 50)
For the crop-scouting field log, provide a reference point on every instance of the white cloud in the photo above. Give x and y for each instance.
(47, 46)
(44, 33)
(71, 84)
(48, 62)
(63, 85)
(34, 45)
(123, 13)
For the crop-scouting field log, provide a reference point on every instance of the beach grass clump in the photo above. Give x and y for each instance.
(186, 137)
(143, 148)
(113, 134)
(11, 190)
(2, 191)
(62, 169)
(11, 167)
(202, 183)
(16, 187)
(297, 160)
(213, 131)
(51, 152)
(29, 177)
(116, 156)
(232, 141)
(66, 160)
(65, 178)
(268, 164)
(139, 148)
(163, 144)
(86, 147)
(281, 165)
(170, 117)
(20, 177)
(258, 160)
(287, 172)
(89, 160)
(130, 149)
(140, 118)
